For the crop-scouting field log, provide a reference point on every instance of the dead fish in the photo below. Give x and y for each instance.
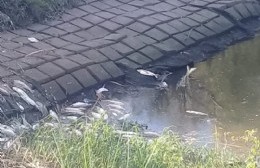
(96, 115)
(24, 96)
(54, 125)
(196, 113)
(115, 114)
(147, 73)
(42, 108)
(113, 102)
(54, 115)
(115, 111)
(81, 104)
(102, 89)
(120, 132)
(4, 91)
(25, 122)
(119, 107)
(4, 139)
(162, 85)
(22, 85)
(8, 144)
(71, 118)
(151, 134)
(77, 111)
(105, 116)
(190, 70)
(124, 117)
(36, 126)
(6, 130)
(20, 106)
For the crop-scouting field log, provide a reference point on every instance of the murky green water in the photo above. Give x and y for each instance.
(233, 80)
(226, 87)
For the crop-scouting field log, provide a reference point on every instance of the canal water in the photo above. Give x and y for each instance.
(226, 87)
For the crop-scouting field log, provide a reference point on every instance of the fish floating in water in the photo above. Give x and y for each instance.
(147, 73)
(196, 113)
(190, 70)
(100, 91)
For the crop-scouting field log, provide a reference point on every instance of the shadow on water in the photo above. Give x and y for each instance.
(226, 87)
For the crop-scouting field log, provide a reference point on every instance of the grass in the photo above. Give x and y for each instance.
(24, 12)
(100, 146)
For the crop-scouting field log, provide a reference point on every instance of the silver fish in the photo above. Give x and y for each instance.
(125, 132)
(77, 111)
(4, 91)
(116, 106)
(22, 85)
(124, 117)
(42, 108)
(71, 118)
(196, 113)
(20, 106)
(190, 70)
(6, 130)
(96, 115)
(115, 111)
(24, 96)
(151, 134)
(80, 104)
(113, 102)
(54, 115)
(25, 122)
(101, 90)
(147, 73)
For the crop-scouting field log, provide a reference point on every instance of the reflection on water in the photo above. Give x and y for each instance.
(233, 79)
(160, 111)
(226, 87)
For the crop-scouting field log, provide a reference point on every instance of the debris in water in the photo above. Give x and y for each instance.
(147, 73)
(196, 113)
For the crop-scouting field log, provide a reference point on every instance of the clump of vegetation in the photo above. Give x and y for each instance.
(101, 146)
(24, 12)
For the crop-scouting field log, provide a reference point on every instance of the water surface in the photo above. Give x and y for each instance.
(227, 87)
